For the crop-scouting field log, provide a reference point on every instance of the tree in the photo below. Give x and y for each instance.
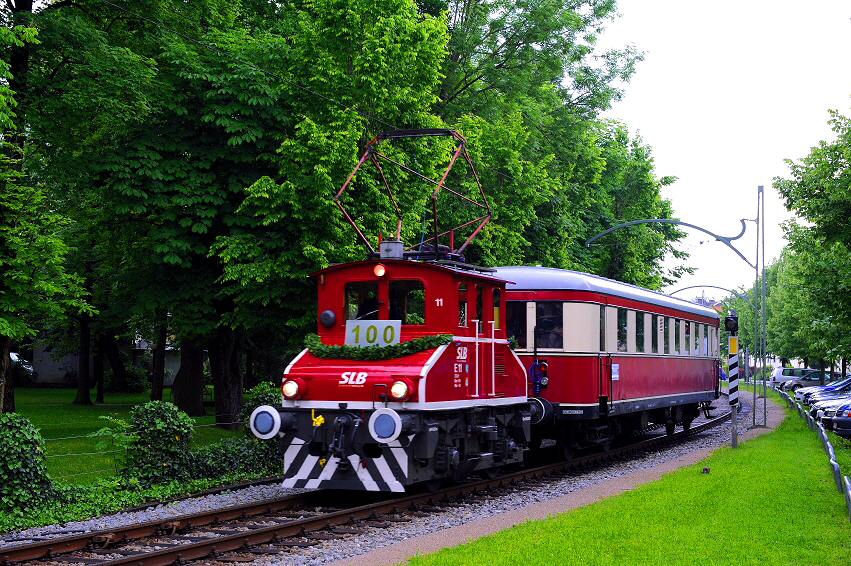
(820, 188)
(813, 304)
(514, 50)
(33, 280)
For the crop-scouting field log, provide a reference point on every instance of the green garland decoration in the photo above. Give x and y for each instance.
(320, 350)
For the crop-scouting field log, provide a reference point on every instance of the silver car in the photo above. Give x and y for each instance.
(811, 378)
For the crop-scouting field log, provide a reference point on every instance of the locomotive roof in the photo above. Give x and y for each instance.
(456, 267)
(548, 278)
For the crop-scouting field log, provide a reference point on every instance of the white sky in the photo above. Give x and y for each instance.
(727, 91)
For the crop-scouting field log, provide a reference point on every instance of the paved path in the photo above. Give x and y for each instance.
(432, 542)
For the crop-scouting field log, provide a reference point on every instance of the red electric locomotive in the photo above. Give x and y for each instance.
(411, 377)
(607, 359)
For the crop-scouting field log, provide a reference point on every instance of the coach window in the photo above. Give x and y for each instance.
(361, 300)
(407, 301)
(697, 341)
(515, 321)
(704, 340)
(639, 331)
(687, 327)
(548, 325)
(496, 299)
(667, 336)
(678, 333)
(622, 330)
(655, 328)
(602, 328)
(462, 304)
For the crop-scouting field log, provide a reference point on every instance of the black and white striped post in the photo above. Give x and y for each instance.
(731, 325)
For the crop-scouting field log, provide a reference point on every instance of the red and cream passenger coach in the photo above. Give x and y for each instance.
(614, 358)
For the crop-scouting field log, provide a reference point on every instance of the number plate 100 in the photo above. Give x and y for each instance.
(372, 332)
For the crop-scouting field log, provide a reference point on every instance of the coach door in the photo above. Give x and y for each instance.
(608, 344)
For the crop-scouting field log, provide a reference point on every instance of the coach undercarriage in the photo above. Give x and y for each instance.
(572, 434)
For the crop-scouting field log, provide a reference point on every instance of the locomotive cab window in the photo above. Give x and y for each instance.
(361, 300)
(496, 300)
(479, 312)
(407, 301)
(462, 305)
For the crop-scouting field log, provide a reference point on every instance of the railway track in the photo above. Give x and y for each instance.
(245, 533)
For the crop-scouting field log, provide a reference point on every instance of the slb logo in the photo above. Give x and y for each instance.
(353, 378)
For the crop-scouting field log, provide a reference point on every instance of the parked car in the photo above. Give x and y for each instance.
(820, 408)
(809, 379)
(826, 393)
(782, 375)
(804, 392)
(839, 420)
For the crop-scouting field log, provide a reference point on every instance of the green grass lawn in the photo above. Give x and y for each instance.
(72, 458)
(772, 501)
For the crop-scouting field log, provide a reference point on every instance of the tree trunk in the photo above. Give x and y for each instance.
(83, 395)
(844, 366)
(187, 392)
(250, 377)
(821, 372)
(7, 391)
(119, 372)
(225, 358)
(158, 378)
(98, 369)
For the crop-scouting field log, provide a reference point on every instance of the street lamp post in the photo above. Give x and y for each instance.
(760, 342)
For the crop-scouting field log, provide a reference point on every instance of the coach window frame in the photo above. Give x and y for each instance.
(554, 332)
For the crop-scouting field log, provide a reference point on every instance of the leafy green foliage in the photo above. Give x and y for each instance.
(137, 381)
(811, 305)
(242, 455)
(159, 450)
(414, 346)
(264, 393)
(820, 188)
(24, 483)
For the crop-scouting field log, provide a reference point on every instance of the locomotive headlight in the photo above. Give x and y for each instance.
(293, 388)
(400, 390)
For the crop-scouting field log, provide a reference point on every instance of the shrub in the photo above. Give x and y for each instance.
(159, 451)
(137, 381)
(263, 393)
(24, 483)
(242, 455)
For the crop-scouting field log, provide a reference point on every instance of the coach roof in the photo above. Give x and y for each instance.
(547, 278)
